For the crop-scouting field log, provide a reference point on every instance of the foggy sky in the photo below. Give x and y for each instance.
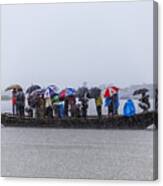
(67, 44)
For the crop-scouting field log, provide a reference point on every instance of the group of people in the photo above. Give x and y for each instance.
(70, 106)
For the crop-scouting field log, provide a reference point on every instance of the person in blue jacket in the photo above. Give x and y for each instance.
(129, 108)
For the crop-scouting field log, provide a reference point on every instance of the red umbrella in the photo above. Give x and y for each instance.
(110, 91)
(62, 94)
(67, 92)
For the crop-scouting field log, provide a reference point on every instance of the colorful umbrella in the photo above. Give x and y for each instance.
(38, 92)
(50, 91)
(15, 86)
(67, 92)
(32, 88)
(110, 91)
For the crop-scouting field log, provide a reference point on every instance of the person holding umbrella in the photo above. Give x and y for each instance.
(84, 106)
(40, 107)
(14, 109)
(50, 91)
(98, 102)
(144, 100)
(111, 100)
(14, 88)
(20, 102)
(66, 107)
(68, 95)
(95, 93)
(83, 94)
(115, 103)
(72, 103)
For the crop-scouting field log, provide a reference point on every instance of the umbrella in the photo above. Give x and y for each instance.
(110, 91)
(82, 92)
(140, 91)
(67, 92)
(32, 88)
(38, 92)
(50, 91)
(94, 92)
(15, 86)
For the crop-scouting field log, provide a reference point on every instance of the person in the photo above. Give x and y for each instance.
(31, 106)
(110, 106)
(78, 110)
(115, 103)
(58, 109)
(84, 106)
(61, 110)
(72, 103)
(66, 107)
(14, 101)
(98, 102)
(144, 102)
(129, 108)
(20, 102)
(48, 107)
(40, 107)
(29, 111)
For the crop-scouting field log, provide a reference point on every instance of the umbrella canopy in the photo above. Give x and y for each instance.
(15, 86)
(110, 91)
(140, 91)
(94, 92)
(50, 91)
(32, 88)
(38, 92)
(67, 92)
(82, 92)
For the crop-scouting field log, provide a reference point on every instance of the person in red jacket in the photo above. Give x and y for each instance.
(14, 92)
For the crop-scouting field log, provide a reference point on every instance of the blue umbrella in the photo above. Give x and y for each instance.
(51, 91)
(70, 92)
(67, 92)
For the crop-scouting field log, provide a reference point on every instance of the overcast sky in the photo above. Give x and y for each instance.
(67, 44)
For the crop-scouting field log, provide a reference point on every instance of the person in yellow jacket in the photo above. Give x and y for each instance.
(98, 102)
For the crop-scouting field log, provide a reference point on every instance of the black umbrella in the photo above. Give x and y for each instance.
(38, 92)
(82, 92)
(140, 91)
(32, 88)
(94, 92)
